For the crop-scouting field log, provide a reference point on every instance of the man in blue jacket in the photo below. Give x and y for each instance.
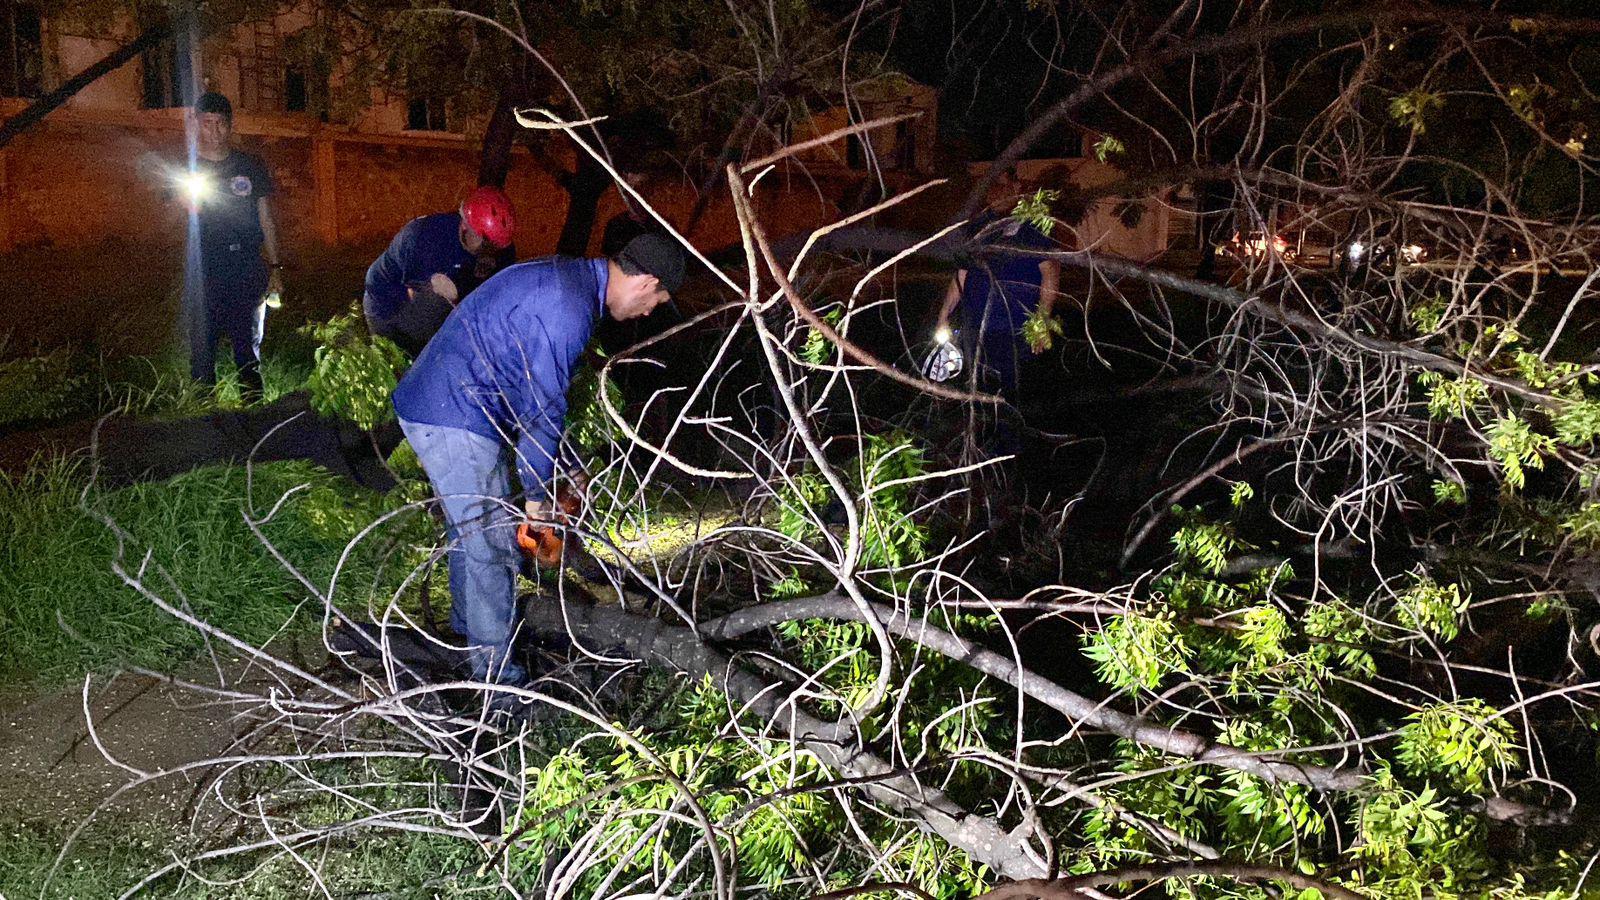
(494, 380)
(433, 262)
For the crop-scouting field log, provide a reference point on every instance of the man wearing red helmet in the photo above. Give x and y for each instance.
(435, 261)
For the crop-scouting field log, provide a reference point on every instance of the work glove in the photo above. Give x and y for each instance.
(444, 287)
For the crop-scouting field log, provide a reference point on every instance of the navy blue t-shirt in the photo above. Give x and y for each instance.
(1002, 289)
(426, 246)
(230, 221)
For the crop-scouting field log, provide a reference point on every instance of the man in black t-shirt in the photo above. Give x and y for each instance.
(228, 195)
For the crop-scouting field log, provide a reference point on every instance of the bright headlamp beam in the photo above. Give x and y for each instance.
(942, 336)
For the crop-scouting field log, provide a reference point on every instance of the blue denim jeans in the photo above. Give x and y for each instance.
(471, 475)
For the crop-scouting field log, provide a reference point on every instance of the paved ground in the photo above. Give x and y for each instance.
(51, 770)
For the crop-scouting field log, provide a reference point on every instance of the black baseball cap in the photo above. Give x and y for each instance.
(213, 102)
(658, 255)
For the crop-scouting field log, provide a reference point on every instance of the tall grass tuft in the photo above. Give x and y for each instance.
(56, 558)
(64, 384)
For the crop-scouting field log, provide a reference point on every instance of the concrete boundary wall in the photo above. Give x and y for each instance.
(99, 179)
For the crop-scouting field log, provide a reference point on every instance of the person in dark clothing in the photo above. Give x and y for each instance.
(434, 262)
(228, 193)
(632, 222)
(489, 393)
(999, 291)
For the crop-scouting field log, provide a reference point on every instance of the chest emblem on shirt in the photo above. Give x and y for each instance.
(240, 186)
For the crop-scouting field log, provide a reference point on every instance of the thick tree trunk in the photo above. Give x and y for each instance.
(44, 106)
(130, 450)
(585, 187)
(498, 139)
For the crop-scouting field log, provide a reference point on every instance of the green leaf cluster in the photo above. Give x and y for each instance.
(1517, 448)
(1452, 398)
(1108, 146)
(891, 535)
(1034, 209)
(600, 802)
(1447, 491)
(589, 429)
(1414, 108)
(1412, 844)
(1434, 608)
(817, 348)
(354, 373)
(1040, 329)
(1460, 743)
(1427, 314)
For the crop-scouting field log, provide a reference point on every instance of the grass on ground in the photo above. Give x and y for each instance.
(56, 558)
(113, 856)
(38, 390)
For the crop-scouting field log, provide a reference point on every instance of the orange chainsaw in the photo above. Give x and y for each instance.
(543, 544)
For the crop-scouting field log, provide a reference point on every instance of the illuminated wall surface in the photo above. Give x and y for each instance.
(98, 170)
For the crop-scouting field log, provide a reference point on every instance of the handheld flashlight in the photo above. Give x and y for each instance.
(195, 185)
(945, 362)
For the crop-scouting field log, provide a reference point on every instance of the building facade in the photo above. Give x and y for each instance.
(98, 171)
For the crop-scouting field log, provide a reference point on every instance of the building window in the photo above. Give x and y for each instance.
(305, 74)
(295, 96)
(426, 114)
(21, 50)
(163, 66)
(261, 69)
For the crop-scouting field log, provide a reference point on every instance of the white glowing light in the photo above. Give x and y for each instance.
(1357, 250)
(197, 185)
(942, 336)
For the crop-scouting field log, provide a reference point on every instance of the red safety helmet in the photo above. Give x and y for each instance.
(487, 211)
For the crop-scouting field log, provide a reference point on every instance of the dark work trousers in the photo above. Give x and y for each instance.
(414, 323)
(230, 303)
(992, 342)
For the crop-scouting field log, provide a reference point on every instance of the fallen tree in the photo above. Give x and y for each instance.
(847, 674)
